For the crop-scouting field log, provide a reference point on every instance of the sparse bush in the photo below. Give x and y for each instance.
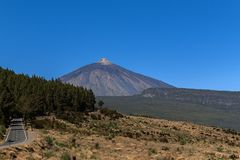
(113, 115)
(129, 134)
(234, 157)
(42, 124)
(60, 126)
(48, 154)
(60, 144)
(2, 131)
(111, 136)
(65, 156)
(152, 151)
(49, 140)
(73, 117)
(182, 140)
(163, 139)
(93, 157)
(100, 103)
(164, 148)
(220, 149)
(230, 131)
(94, 117)
(109, 129)
(73, 141)
(97, 146)
(183, 137)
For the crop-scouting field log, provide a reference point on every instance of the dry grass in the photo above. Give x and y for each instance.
(129, 138)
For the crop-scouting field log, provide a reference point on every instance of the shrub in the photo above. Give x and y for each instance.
(151, 151)
(234, 157)
(60, 144)
(100, 103)
(60, 126)
(94, 117)
(112, 114)
(42, 124)
(182, 140)
(164, 148)
(93, 157)
(220, 149)
(73, 141)
(163, 139)
(73, 117)
(48, 154)
(110, 136)
(49, 140)
(2, 131)
(104, 128)
(65, 156)
(97, 146)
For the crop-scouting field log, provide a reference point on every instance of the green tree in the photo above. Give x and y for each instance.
(100, 103)
(21, 95)
(7, 104)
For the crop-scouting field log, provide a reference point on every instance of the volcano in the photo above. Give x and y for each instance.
(108, 79)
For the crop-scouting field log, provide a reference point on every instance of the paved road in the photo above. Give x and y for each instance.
(16, 134)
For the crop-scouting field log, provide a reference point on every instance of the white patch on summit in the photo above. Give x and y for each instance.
(104, 61)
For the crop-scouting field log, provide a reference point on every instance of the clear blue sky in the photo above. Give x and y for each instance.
(187, 43)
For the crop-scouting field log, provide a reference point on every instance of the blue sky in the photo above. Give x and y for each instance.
(187, 43)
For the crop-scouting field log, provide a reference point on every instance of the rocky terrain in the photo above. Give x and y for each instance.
(108, 79)
(107, 135)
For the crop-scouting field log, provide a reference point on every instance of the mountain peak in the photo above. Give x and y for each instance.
(107, 79)
(104, 61)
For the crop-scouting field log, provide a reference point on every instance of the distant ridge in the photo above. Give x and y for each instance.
(208, 107)
(108, 79)
(194, 96)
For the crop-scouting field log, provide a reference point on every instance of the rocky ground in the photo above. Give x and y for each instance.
(109, 136)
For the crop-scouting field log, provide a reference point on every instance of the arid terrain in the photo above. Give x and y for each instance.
(107, 135)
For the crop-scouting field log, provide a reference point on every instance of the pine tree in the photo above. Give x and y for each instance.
(7, 104)
(21, 95)
(100, 103)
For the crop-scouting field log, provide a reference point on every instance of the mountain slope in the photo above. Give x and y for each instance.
(202, 97)
(213, 108)
(125, 138)
(108, 79)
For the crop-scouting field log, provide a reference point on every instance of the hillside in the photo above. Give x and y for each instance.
(106, 135)
(108, 79)
(28, 97)
(203, 97)
(213, 108)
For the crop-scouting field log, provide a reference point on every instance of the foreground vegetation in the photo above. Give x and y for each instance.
(106, 134)
(28, 97)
